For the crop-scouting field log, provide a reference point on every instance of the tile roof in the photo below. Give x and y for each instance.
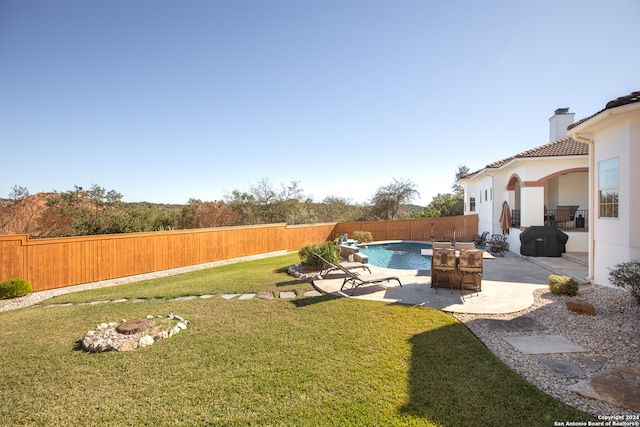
(565, 146)
(561, 147)
(618, 102)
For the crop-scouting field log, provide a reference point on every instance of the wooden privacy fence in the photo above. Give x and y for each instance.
(55, 263)
(450, 228)
(67, 261)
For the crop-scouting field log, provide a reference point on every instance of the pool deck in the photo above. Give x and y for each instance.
(507, 286)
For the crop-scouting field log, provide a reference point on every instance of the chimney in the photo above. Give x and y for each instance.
(559, 123)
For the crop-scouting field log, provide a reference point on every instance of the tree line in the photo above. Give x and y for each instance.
(96, 210)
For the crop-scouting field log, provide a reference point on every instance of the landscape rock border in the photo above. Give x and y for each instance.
(138, 333)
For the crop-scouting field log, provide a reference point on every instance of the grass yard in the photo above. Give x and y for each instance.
(319, 361)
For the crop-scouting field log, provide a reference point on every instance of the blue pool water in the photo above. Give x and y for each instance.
(398, 255)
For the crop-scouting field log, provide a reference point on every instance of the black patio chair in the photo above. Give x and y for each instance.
(497, 244)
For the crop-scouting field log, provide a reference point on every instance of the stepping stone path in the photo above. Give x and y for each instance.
(261, 295)
(287, 295)
(265, 295)
(541, 344)
(618, 386)
(561, 368)
(520, 323)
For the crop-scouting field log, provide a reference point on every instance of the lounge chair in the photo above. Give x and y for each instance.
(357, 280)
(328, 266)
(370, 279)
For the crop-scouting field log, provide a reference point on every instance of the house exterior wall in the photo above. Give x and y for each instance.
(484, 208)
(540, 182)
(617, 240)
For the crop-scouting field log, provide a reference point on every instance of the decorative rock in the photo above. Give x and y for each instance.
(128, 345)
(618, 386)
(161, 335)
(146, 341)
(581, 306)
(130, 335)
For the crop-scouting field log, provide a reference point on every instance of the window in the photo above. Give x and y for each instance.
(472, 202)
(485, 195)
(608, 188)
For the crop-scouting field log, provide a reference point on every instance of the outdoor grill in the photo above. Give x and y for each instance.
(543, 241)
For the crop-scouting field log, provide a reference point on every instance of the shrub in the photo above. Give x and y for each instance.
(362, 236)
(563, 285)
(12, 288)
(627, 275)
(327, 250)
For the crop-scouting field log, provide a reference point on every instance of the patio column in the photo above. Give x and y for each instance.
(531, 206)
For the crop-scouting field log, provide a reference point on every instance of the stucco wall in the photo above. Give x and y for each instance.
(613, 236)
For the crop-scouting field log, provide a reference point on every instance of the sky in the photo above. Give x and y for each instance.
(164, 100)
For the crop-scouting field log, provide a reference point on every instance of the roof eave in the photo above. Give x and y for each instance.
(585, 129)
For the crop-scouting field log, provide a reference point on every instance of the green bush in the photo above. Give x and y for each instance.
(327, 250)
(627, 275)
(12, 288)
(362, 236)
(563, 285)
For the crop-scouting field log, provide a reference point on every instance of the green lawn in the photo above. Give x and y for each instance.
(308, 361)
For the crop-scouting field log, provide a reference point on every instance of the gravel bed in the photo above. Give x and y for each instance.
(613, 333)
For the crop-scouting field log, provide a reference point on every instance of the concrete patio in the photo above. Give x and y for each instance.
(507, 285)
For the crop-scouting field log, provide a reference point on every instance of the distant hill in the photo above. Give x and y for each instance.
(414, 208)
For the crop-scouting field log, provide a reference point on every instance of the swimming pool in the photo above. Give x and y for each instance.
(398, 255)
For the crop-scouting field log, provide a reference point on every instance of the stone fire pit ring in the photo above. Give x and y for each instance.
(130, 335)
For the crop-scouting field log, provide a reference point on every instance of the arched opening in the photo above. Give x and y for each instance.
(514, 189)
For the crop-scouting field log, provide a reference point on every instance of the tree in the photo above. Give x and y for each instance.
(388, 200)
(264, 204)
(448, 204)
(17, 215)
(460, 173)
(337, 209)
(85, 212)
(199, 214)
